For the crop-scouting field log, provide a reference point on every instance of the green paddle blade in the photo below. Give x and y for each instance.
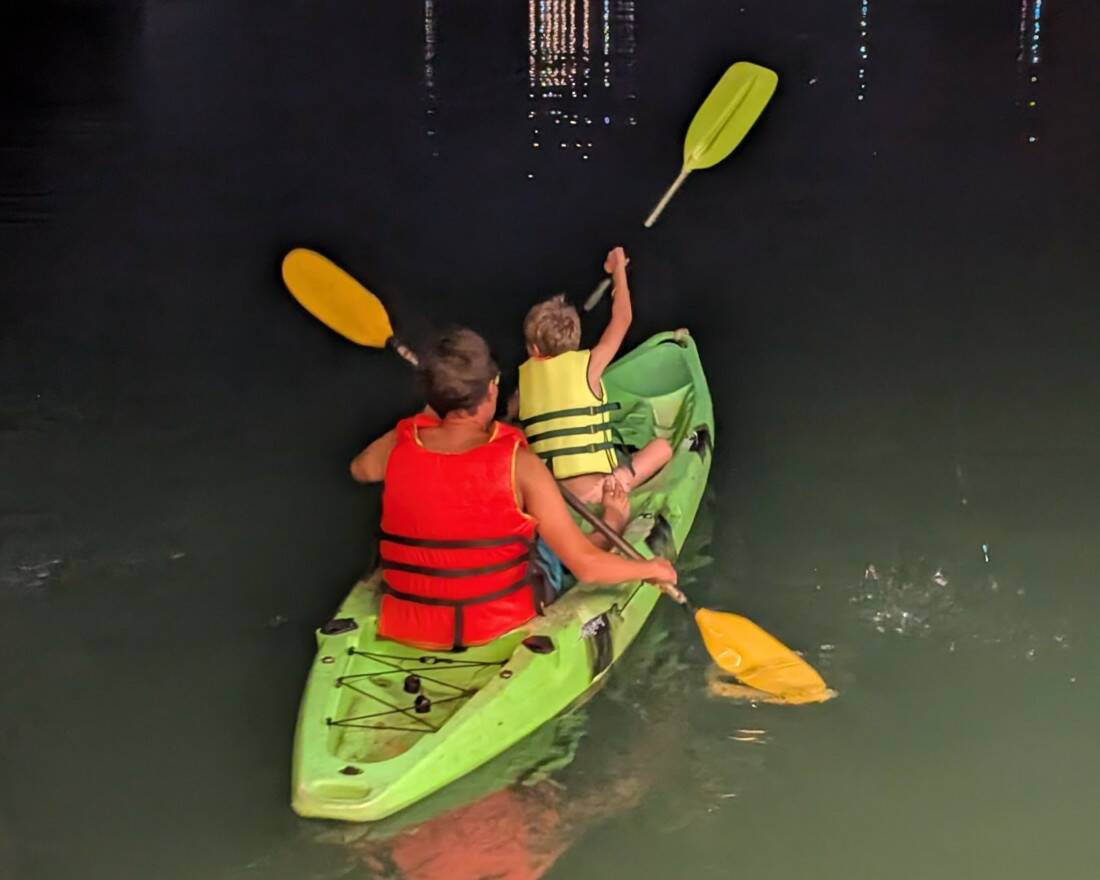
(727, 114)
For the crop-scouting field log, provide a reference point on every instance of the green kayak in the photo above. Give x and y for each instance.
(383, 725)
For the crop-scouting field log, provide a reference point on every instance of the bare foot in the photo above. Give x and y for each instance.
(616, 504)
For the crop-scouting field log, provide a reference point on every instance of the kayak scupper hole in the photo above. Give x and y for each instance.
(699, 441)
(327, 659)
(506, 673)
(350, 771)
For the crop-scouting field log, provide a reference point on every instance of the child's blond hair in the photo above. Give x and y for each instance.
(553, 326)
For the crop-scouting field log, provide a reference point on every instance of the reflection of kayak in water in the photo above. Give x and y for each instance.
(517, 833)
(513, 834)
(382, 725)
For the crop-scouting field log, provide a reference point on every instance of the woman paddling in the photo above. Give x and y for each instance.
(463, 502)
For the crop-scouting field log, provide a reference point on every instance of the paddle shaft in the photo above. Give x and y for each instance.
(667, 197)
(403, 351)
(596, 295)
(618, 541)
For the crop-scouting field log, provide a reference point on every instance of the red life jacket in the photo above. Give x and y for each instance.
(455, 545)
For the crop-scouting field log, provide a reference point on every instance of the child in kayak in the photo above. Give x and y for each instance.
(562, 406)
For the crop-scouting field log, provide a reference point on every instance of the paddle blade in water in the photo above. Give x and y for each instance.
(759, 659)
(336, 299)
(727, 114)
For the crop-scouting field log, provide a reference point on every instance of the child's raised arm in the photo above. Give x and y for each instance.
(604, 351)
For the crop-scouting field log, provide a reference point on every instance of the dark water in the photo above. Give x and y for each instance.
(893, 286)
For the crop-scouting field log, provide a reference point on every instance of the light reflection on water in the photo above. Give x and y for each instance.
(864, 50)
(578, 84)
(580, 72)
(430, 98)
(1029, 57)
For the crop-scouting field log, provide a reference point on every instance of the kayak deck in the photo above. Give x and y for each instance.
(373, 696)
(382, 725)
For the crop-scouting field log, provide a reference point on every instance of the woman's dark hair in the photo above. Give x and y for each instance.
(455, 371)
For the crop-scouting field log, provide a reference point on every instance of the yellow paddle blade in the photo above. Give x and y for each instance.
(724, 686)
(758, 658)
(727, 114)
(336, 299)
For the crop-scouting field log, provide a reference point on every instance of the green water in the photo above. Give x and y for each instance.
(894, 300)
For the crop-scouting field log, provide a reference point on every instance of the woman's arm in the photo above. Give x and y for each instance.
(369, 466)
(541, 499)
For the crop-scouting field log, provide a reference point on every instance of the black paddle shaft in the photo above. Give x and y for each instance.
(616, 539)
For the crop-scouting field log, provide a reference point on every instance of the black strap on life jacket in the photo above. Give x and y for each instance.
(549, 457)
(459, 544)
(567, 413)
(598, 428)
(457, 605)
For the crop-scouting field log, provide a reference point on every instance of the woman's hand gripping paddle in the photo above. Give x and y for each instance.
(720, 124)
(737, 645)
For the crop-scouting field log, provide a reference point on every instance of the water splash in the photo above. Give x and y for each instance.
(30, 576)
(964, 612)
(906, 599)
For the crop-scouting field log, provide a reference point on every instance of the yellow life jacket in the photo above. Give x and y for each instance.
(566, 425)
